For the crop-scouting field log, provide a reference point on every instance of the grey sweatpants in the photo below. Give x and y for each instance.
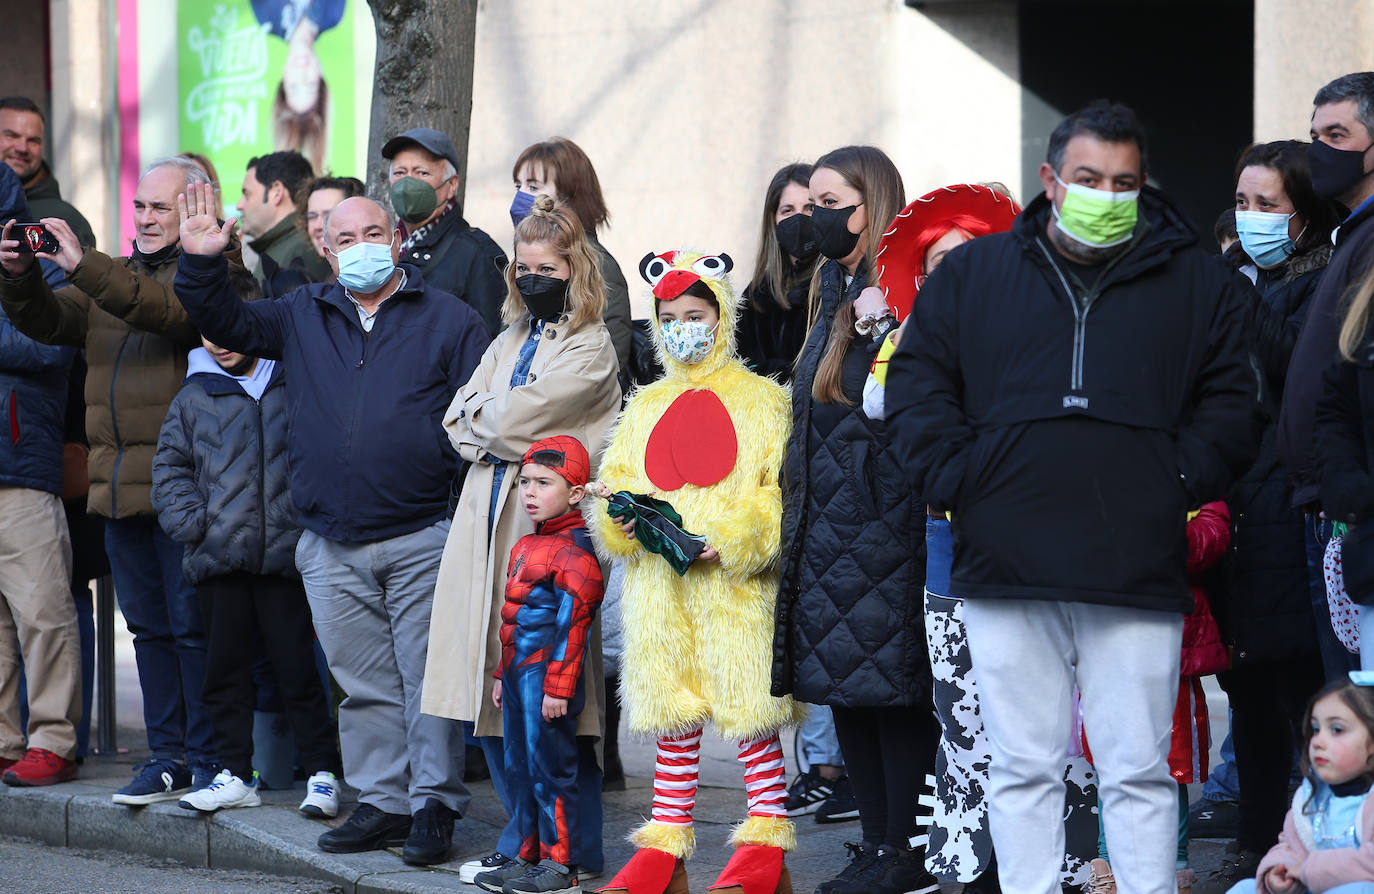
(1028, 655)
(371, 604)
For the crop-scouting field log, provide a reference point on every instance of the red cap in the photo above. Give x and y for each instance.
(564, 454)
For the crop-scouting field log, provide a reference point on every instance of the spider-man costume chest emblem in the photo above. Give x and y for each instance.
(693, 443)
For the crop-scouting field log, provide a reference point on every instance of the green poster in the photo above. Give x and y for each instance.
(261, 75)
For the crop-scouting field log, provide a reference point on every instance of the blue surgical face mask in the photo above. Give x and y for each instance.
(366, 266)
(1264, 236)
(521, 206)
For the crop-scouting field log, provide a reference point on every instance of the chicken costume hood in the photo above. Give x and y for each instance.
(707, 438)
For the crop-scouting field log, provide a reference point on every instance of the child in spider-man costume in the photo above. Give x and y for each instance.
(553, 587)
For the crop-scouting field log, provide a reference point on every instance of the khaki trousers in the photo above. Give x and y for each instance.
(38, 617)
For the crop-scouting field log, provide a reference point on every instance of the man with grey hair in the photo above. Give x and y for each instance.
(372, 362)
(454, 256)
(1341, 158)
(126, 316)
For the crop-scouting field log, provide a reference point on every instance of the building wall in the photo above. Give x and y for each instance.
(1299, 46)
(687, 108)
(82, 129)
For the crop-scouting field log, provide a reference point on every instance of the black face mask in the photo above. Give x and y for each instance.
(546, 297)
(1334, 171)
(832, 234)
(797, 237)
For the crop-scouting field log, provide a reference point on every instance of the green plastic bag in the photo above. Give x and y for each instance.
(658, 527)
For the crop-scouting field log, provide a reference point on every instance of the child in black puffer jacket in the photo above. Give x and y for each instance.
(220, 486)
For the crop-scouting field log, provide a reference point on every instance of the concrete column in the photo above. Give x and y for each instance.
(81, 133)
(1299, 46)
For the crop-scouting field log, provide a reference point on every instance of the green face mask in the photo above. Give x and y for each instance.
(413, 199)
(1097, 218)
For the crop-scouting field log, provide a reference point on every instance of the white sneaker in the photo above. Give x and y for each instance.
(321, 796)
(469, 870)
(227, 790)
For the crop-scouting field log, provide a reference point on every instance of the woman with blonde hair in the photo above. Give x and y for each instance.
(850, 631)
(551, 372)
(557, 167)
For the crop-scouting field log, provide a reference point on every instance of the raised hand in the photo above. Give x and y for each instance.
(201, 233)
(69, 251)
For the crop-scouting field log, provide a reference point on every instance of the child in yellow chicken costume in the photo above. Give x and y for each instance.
(708, 438)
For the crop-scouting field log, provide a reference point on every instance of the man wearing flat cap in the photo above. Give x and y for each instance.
(454, 256)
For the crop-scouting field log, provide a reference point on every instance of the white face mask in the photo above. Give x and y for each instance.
(688, 343)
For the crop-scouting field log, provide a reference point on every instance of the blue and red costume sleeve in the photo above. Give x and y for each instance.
(577, 580)
(516, 590)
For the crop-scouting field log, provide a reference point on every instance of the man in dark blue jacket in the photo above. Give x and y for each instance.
(373, 363)
(36, 609)
(1343, 170)
(1070, 390)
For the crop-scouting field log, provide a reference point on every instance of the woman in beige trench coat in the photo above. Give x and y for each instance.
(567, 386)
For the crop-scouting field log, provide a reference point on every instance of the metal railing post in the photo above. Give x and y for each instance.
(105, 663)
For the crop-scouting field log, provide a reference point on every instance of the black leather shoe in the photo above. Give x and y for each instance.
(431, 832)
(368, 829)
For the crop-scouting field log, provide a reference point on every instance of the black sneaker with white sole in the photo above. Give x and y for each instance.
(841, 806)
(494, 880)
(807, 792)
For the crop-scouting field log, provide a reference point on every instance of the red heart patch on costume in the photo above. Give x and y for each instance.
(693, 443)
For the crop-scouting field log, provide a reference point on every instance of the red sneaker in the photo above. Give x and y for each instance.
(6, 763)
(39, 766)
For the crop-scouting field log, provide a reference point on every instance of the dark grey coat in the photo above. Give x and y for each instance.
(850, 625)
(221, 483)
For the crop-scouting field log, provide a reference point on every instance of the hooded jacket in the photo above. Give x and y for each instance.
(220, 477)
(461, 260)
(850, 623)
(136, 335)
(1316, 350)
(1071, 428)
(33, 387)
(369, 460)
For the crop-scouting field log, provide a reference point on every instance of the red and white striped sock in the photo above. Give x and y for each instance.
(765, 779)
(675, 777)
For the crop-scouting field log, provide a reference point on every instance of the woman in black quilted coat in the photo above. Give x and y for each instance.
(849, 614)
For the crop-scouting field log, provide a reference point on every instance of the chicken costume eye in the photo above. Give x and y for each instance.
(653, 267)
(714, 266)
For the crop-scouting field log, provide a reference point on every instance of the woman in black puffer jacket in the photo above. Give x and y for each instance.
(1264, 610)
(850, 630)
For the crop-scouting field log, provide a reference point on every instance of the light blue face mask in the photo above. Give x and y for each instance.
(1264, 236)
(365, 266)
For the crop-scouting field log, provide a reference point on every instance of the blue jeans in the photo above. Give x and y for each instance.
(1224, 783)
(818, 743)
(587, 850)
(1336, 661)
(162, 613)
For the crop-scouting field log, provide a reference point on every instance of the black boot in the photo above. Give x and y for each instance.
(368, 829)
(431, 833)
